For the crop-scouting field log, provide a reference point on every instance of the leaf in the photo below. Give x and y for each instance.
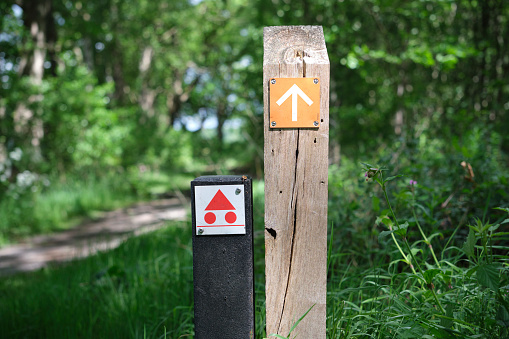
(494, 227)
(505, 221)
(446, 276)
(277, 336)
(392, 178)
(435, 235)
(384, 234)
(506, 209)
(468, 246)
(367, 166)
(472, 271)
(474, 228)
(447, 322)
(401, 230)
(430, 274)
(484, 228)
(487, 276)
(384, 219)
(502, 316)
(415, 251)
(300, 319)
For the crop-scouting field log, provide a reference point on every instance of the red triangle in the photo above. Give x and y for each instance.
(219, 202)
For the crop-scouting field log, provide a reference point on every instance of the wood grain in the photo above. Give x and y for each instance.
(296, 164)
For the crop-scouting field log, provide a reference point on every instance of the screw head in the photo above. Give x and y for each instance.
(200, 231)
(237, 191)
(273, 81)
(315, 81)
(315, 123)
(273, 124)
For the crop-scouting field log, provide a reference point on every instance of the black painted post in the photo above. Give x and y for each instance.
(222, 210)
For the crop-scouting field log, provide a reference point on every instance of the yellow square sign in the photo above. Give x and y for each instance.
(294, 102)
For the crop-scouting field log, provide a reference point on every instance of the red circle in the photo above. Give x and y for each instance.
(210, 218)
(230, 217)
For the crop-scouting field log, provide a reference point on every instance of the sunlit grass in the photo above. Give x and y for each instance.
(60, 206)
(66, 203)
(141, 289)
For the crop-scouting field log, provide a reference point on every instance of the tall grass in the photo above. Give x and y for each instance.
(402, 276)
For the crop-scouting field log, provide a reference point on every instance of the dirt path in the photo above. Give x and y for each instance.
(90, 237)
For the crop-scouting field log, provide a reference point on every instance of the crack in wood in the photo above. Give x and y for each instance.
(303, 66)
(294, 205)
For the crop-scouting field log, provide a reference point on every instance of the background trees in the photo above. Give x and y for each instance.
(110, 86)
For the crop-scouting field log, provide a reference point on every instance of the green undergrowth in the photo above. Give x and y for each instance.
(418, 254)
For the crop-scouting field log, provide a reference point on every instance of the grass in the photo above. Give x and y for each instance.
(142, 289)
(385, 280)
(60, 206)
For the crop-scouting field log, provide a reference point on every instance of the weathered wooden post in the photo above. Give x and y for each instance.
(296, 129)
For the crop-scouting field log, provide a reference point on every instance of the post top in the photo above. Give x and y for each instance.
(222, 179)
(292, 44)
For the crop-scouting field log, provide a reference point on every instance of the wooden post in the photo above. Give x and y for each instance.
(296, 168)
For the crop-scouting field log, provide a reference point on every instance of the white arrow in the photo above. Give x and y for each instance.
(294, 91)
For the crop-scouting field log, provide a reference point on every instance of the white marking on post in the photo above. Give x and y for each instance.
(294, 91)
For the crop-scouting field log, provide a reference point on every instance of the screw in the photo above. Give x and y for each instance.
(237, 191)
(315, 81)
(273, 124)
(200, 231)
(315, 123)
(273, 81)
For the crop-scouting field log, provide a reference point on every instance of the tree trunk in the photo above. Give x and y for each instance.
(38, 20)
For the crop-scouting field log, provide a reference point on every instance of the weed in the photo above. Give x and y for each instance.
(464, 294)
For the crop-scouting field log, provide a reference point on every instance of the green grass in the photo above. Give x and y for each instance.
(60, 206)
(142, 289)
(374, 292)
(66, 203)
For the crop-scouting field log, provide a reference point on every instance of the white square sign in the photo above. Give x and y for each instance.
(220, 209)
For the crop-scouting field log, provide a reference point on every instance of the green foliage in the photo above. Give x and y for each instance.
(464, 294)
(83, 133)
